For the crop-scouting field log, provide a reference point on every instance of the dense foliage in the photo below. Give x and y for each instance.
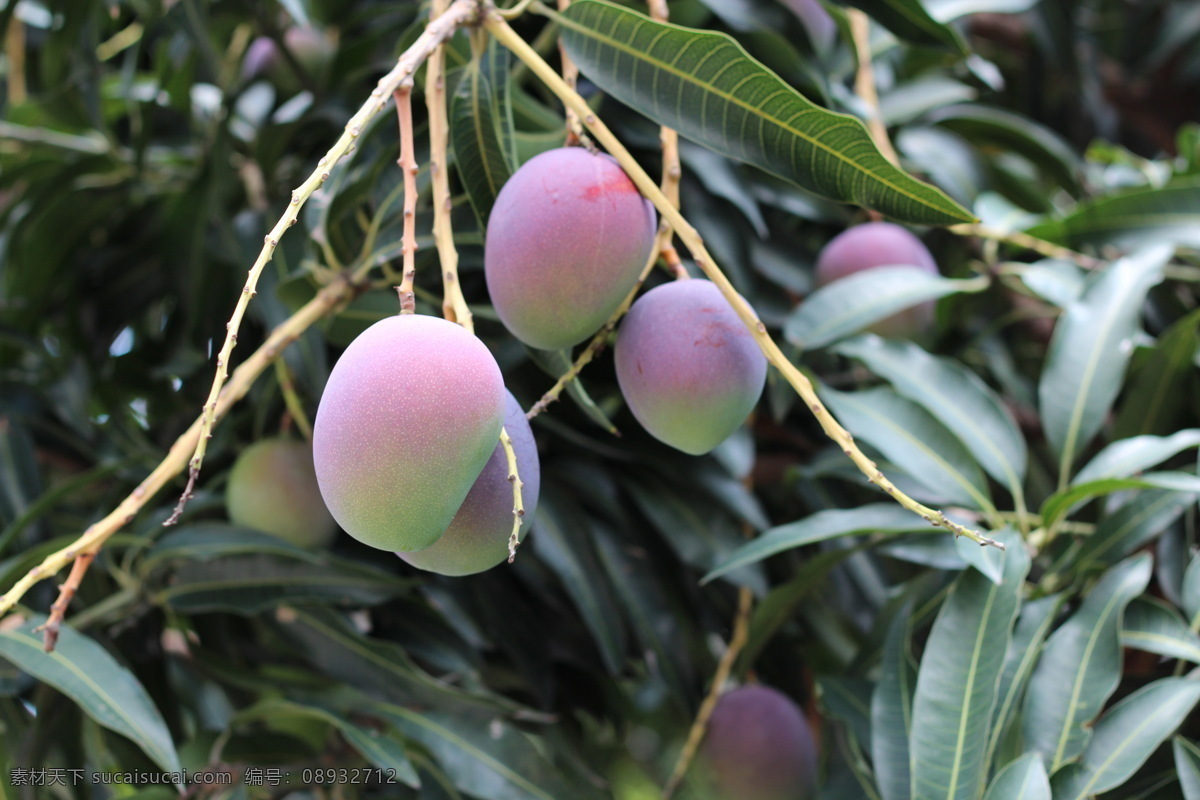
(147, 147)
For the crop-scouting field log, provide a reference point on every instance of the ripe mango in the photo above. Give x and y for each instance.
(687, 366)
(566, 240)
(411, 413)
(477, 539)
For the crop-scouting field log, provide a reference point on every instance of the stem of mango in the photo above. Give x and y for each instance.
(514, 478)
(408, 165)
(695, 245)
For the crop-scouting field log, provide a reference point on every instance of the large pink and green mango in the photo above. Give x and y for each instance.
(409, 417)
(567, 238)
(273, 488)
(758, 746)
(477, 539)
(879, 244)
(688, 368)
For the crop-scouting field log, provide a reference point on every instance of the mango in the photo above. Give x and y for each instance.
(758, 746)
(477, 539)
(273, 488)
(880, 244)
(567, 238)
(409, 417)
(687, 366)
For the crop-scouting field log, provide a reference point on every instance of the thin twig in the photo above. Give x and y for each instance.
(1019, 239)
(864, 82)
(408, 165)
(505, 35)
(65, 594)
(460, 13)
(514, 478)
(454, 304)
(737, 640)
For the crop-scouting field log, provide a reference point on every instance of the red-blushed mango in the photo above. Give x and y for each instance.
(411, 413)
(687, 366)
(477, 539)
(273, 488)
(879, 244)
(566, 240)
(758, 746)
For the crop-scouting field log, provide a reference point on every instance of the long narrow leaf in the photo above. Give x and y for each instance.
(958, 678)
(706, 86)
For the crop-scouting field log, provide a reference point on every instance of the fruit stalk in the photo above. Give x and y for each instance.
(460, 13)
(695, 245)
(672, 172)
(737, 640)
(454, 305)
(408, 165)
(570, 75)
(510, 455)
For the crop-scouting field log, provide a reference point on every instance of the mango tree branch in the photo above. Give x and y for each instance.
(408, 165)
(506, 36)
(460, 13)
(454, 305)
(510, 455)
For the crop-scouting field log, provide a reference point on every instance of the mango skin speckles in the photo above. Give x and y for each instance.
(409, 417)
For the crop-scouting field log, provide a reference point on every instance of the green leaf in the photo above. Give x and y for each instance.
(106, 691)
(891, 710)
(485, 757)
(1033, 625)
(912, 439)
(847, 306)
(1138, 217)
(1139, 521)
(1129, 456)
(909, 20)
(481, 129)
(206, 541)
(1023, 779)
(1089, 351)
(849, 700)
(1058, 282)
(988, 126)
(1126, 736)
(1187, 764)
(378, 748)
(1062, 503)
(958, 678)
(558, 540)
(1161, 381)
(252, 583)
(873, 518)
(707, 87)
(1155, 627)
(956, 397)
(1080, 667)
